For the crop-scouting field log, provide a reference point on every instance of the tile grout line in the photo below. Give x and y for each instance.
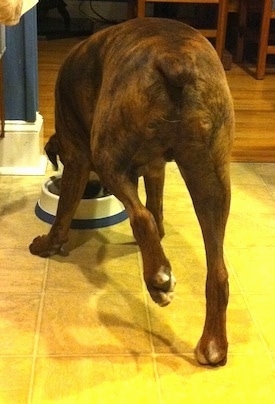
(37, 331)
(153, 352)
(263, 181)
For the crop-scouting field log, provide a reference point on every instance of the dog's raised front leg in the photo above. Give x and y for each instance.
(74, 180)
(209, 188)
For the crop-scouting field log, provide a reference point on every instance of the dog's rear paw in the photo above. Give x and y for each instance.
(44, 247)
(211, 354)
(162, 287)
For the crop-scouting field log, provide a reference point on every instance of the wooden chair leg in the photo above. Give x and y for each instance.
(221, 23)
(263, 42)
(131, 9)
(221, 27)
(241, 30)
(141, 8)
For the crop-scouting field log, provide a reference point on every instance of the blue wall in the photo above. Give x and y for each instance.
(20, 64)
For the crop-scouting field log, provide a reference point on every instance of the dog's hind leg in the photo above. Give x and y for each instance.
(209, 186)
(156, 267)
(74, 179)
(157, 270)
(154, 197)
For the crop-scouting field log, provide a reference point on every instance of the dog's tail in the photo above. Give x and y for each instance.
(176, 68)
(52, 150)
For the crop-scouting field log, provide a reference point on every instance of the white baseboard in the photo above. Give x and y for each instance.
(21, 148)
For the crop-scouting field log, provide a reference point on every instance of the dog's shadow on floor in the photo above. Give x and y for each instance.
(79, 238)
(130, 305)
(127, 320)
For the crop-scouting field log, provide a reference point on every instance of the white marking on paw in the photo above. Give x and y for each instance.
(161, 278)
(213, 354)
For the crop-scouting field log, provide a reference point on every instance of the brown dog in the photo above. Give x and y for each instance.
(128, 99)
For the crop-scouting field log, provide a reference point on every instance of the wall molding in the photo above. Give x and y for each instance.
(21, 150)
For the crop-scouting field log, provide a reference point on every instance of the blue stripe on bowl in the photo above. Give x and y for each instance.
(83, 224)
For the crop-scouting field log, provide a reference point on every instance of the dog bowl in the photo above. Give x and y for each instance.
(98, 211)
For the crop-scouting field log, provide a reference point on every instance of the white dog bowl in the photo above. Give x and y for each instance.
(96, 212)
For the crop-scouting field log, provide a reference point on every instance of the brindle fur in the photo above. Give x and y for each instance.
(128, 99)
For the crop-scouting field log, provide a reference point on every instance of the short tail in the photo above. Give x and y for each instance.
(176, 68)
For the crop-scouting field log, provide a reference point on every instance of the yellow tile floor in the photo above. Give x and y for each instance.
(81, 328)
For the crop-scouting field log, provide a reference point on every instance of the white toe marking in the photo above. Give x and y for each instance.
(161, 277)
(213, 353)
(214, 356)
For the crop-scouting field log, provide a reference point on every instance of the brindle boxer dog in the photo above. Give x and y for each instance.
(129, 99)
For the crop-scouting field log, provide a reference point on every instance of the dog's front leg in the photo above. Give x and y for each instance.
(74, 180)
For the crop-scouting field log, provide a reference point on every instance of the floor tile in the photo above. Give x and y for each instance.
(252, 199)
(253, 268)
(189, 268)
(182, 230)
(20, 271)
(267, 173)
(18, 320)
(120, 233)
(15, 376)
(249, 230)
(102, 269)
(264, 168)
(85, 323)
(244, 336)
(244, 173)
(106, 379)
(21, 228)
(178, 327)
(262, 310)
(90, 327)
(245, 379)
